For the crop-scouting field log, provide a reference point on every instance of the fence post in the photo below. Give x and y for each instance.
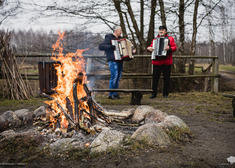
(215, 79)
(88, 65)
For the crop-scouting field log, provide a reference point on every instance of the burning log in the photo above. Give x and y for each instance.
(47, 96)
(76, 101)
(69, 106)
(78, 120)
(89, 102)
(100, 112)
(68, 117)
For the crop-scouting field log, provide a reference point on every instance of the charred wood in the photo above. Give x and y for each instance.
(76, 101)
(69, 107)
(47, 96)
(66, 114)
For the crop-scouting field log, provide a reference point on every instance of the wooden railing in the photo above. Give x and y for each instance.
(214, 74)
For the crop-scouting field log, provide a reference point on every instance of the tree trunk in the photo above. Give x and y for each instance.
(142, 18)
(122, 23)
(180, 65)
(194, 36)
(162, 10)
(151, 23)
(135, 26)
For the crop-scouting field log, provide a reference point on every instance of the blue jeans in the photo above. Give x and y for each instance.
(116, 73)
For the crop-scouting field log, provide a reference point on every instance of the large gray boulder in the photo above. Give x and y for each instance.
(156, 116)
(3, 124)
(24, 115)
(141, 112)
(23, 139)
(66, 144)
(172, 121)
(107, 139)
(8, 119)
(41, 111)
(152, 134)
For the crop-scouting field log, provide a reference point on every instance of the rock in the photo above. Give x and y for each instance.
(152, 134)
(41, 111)
(3, 124)
(70, 134)
(141, 112)
(156, 116)
(79, 136)
(10, 118)
(98, 128)
(21, 140)
(66, 144)
(172, 121)
(7, 134)
(107, 139)
(24, 115)
(58, 131)
(33, 137)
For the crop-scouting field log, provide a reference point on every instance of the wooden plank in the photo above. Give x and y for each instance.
(103, 56)
(229, 95)
(127, 76)
(102, 77)
(121, 90)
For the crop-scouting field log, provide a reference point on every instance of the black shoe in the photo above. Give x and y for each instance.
(113, 97)
(152, 96)
(117, 96)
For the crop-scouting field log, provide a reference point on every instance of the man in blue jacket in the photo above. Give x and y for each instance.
(115, 66)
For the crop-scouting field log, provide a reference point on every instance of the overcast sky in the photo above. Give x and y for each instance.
(32, 15)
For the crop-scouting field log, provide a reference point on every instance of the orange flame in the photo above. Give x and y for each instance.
(67, 70)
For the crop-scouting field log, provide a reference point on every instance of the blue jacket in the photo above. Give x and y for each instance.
(107, 46)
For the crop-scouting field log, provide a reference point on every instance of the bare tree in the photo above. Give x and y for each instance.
(181, 62)
(6, 13)
(195, 28)
(193, 45)
(162, 11)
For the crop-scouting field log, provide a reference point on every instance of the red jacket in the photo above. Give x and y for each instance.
(168, 60)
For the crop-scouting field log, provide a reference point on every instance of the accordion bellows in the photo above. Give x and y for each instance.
(158, 47)
(123, 49)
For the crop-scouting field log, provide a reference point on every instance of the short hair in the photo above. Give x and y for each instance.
(116, 28)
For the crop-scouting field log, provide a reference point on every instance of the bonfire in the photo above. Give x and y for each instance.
(72, 106)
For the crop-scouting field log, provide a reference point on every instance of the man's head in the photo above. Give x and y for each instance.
(117, 31)
(162, 31)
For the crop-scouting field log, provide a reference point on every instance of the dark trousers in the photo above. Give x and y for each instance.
(166, 70)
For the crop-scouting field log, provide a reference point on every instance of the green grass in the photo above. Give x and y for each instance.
(29, 71)
(213, 106)
(32, 103)
(227, 68)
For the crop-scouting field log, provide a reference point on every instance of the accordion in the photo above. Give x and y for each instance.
(123, 49)
(158, 47)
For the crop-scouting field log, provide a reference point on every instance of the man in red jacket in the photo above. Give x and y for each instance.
(162, 64)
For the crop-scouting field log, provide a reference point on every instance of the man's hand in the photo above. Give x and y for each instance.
(167, 47)
(150, 49)
(134, 51)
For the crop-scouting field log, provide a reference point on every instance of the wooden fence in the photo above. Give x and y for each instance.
(214, 75)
